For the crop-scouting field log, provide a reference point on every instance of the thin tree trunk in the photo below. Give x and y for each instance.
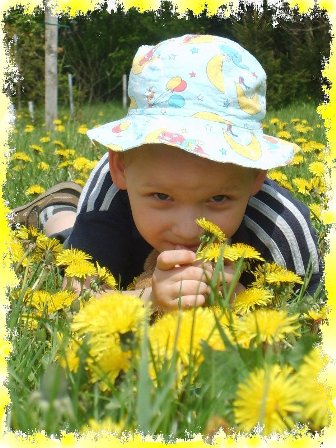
(51, 45)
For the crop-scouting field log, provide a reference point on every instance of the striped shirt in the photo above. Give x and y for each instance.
(275, 223)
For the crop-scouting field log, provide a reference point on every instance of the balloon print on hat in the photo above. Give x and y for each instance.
(176, 84)
(176, 101)
(121, 127)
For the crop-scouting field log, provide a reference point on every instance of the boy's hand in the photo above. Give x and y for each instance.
(179, 281)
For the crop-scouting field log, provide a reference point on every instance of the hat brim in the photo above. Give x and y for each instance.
(219, 141)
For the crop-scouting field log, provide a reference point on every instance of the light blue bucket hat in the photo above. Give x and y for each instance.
(201, 93)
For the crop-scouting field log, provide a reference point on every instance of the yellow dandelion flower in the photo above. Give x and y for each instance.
(316, 209)
(105, 425)
(70, 359)
(29, 128)
(211, 229)
(282, 124)
(241, 250)
(108, 323)
(80, 181)
(28, 233)
(43, 166)
(183, 332)
(17, 252)
(284, 134)
(277, 175)
(46, 301)
(295, 120)
(315, 395)
(211, 252)
(318, 315)
(37, 299)
(265, 325)
(58, 143)
(302, 129)
(82, 129)
(317, 168)
(36, 148)
(35, 189)
(104, 276)
(300, 140)
(72, 256)
(60, 128)
(297, 159)
(45, 139)
(80, 270)
(302, 185)
(318, 184)
(60, 300)
(268, 397)
(274, 120)
(283, 276)
(50, 245)
(23, 157)
(105, 367)
(280, 178)
(18, 168)
(83, 164)
(313, 145)
(251, 298)
(30, 321)
(272, 273)
(94, 319)
(57, 121)
(65, 153)
(65, 164)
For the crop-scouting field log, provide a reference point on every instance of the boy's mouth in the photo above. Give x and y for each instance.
(193, 247)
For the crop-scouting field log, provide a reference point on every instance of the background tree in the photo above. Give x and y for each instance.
(98, 48)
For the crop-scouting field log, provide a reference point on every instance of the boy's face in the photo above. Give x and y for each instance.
(169, 188)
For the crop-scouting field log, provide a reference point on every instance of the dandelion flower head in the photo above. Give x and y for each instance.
(268, 397)
(211, 229)
(266, 325)
(251, 298)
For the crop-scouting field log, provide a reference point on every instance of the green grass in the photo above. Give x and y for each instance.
(46, 397)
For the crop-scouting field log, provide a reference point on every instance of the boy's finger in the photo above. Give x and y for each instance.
(189, 287)
(189, 301)
(170, 258)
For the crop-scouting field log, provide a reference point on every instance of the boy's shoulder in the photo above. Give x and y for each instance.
(278, 224)
(275, 196)
(100, 194)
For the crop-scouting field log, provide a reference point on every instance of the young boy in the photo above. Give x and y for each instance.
(191, 146)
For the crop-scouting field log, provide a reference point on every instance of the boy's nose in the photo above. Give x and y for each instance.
(186, 231)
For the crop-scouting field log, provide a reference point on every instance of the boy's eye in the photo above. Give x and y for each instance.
(218, 198)
(161, 196)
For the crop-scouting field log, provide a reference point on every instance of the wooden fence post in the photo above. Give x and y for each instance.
(124, 91)
(72, 106)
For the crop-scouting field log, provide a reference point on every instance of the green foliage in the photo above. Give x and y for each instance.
(289, 46)
(98, 48)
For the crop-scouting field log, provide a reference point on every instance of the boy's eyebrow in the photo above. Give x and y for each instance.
(220, 189)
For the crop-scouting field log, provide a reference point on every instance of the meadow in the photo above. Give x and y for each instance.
(229, 366)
